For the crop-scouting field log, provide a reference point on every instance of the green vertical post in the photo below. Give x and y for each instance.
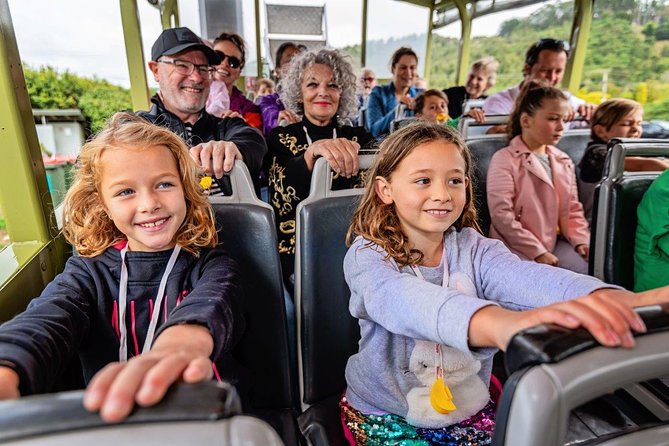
(132, 35)
(363, 43)
(24, 193)
(258, 41)
(465, 38)
(580, 31)
(428, 46)
(168, 11)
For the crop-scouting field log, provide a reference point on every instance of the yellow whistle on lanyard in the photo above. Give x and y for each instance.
(441, 397)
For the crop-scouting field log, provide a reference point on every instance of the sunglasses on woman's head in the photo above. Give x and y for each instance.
(232, 60)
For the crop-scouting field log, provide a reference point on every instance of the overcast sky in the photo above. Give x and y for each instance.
(86, 37)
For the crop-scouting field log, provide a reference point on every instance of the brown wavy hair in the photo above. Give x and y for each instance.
(531, 98)
(378, 222)
(86, 224)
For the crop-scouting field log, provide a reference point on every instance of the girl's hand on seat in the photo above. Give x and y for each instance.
(180, 352)
(548, 258)
(9, 384)
(607, 314)
(583, 250)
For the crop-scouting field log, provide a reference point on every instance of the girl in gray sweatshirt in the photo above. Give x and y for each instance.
(435, 299)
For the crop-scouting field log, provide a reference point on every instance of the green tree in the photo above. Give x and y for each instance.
(97, 99)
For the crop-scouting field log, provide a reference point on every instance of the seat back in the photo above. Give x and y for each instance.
(327, 333)
(562, 369)
(249, 235)
(469, 128)
(482, 150)
(574, 142)
(614, 221)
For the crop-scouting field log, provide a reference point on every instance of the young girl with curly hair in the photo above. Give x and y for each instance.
(149, 299)
(435, 299)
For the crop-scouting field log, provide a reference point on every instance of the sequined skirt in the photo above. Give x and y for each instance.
(385, 430)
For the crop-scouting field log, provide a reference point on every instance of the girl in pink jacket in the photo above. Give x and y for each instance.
(532, 193)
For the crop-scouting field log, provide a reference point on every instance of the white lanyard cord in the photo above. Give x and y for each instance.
(309, 141)
(444, 281)
(122, 302)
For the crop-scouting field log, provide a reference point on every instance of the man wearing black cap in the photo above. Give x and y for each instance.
(181, 63)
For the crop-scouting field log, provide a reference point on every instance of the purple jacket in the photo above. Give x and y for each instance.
(270, 106)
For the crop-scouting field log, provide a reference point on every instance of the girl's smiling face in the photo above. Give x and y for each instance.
(142, 194)
(428, 189)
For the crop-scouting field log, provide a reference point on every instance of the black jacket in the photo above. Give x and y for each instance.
(210, 128)
(78, 312)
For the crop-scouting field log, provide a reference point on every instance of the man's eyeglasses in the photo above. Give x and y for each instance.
(232, 60)
(186, 68)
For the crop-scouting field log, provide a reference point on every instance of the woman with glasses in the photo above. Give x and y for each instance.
(231, 48)
(320, 86)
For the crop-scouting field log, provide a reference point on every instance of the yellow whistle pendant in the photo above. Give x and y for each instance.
(441, 398)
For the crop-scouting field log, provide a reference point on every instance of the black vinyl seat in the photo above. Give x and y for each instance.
(249, 235)
(327, 333)
(482, 150)
(614, 221)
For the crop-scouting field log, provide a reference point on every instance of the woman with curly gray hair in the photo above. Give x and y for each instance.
(320, 86)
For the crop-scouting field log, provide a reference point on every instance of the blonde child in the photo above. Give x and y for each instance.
(435, 299)
(148, 268)
(264, 86)
(615, 118)
(532, 194)
(432, 106)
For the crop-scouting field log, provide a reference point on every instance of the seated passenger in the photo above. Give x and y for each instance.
(651, 249)
(482, 76)
(545, 60)
(615, 118)
(181, 63)
(382, 106)
(531, 185)
(435, 299)
(367, 82)
(149, 300)
(231, 49)
(273, 111)
(263, 87)
(431, 105)
(320, 86)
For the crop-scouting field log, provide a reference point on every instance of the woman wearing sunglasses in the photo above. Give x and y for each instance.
(231, 49)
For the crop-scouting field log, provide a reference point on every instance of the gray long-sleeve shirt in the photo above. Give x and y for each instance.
(395, 308)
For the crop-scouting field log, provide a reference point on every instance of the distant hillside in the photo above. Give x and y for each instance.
(627, 43)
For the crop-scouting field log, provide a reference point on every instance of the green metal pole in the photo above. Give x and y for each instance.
(132, 35)
(465, 37)
(169, 11)
(363, 45)
(258, 41)
(580, 32)
(428, 47)
(24, 193)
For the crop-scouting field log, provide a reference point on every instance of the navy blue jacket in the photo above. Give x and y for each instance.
(77, 313)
